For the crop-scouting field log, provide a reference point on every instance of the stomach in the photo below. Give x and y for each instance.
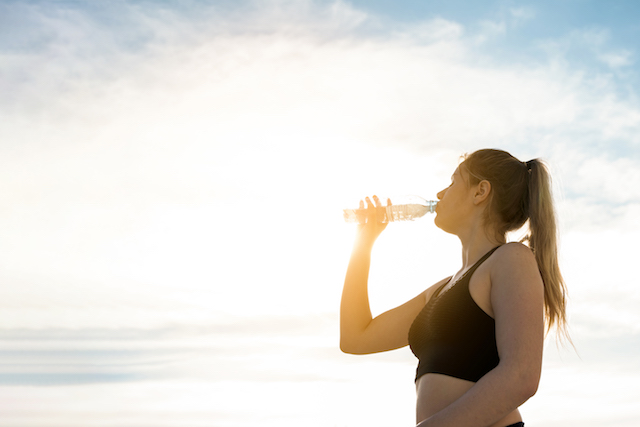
(436, 391)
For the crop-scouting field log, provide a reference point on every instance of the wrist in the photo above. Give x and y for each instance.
(364, 243)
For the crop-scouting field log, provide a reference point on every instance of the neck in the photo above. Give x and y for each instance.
(476, 243)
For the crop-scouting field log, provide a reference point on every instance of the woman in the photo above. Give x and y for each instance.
(479, 334)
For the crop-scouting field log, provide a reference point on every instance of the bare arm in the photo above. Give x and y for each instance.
(359, 332)
(517, 299)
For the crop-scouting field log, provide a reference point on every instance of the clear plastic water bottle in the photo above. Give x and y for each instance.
(411, 208)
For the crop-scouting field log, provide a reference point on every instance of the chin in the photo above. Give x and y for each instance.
(441, 226)
(437, 222)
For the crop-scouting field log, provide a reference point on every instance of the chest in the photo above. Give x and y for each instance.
(479, 285)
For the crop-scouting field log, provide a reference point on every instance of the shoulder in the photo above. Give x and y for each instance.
(514, 253)
(515, 263)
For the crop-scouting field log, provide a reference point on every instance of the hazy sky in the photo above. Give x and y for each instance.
(173, 174)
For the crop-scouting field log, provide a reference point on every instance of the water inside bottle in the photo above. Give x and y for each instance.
(413, 207)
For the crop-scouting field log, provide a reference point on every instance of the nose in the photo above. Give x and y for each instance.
(440, 195)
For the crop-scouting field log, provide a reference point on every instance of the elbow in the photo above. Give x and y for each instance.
(350, 347)
(528, 386)
(345, 346)
(528, 391)
(533, 387)
(345, 349)
(522, 392)
(523, 384)
(532, 380)
(349, 341)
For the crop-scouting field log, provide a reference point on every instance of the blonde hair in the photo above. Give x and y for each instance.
(520, 192)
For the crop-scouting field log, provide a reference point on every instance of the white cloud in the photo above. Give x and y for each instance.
(437, 30)
(490, 29)
(613, 181)
(522, 14)
(590, 44)
(230, 117)
(617, 59)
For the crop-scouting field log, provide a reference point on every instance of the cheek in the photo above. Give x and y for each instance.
(447, 194)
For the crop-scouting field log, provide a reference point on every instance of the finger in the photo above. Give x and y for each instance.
(361, 214)
(367, 211)
(372, 210)
(388, 202)
(380, 215)
(369, 203)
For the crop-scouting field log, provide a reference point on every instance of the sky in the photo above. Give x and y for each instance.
(173, 173)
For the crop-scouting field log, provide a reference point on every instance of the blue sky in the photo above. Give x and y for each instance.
(173, 175)
(528, 29)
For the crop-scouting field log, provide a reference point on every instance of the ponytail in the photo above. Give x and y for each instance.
(543, 242)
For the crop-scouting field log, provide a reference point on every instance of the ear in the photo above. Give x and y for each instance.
(482, 191)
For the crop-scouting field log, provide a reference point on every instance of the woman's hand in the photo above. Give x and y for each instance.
(370, 220)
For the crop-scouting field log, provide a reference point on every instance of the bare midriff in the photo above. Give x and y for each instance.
(436, 391)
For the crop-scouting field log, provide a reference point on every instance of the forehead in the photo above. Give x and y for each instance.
(461, 173)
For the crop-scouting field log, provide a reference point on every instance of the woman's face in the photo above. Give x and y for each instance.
(454, 202)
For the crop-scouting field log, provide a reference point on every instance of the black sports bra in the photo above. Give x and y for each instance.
(452, 335)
